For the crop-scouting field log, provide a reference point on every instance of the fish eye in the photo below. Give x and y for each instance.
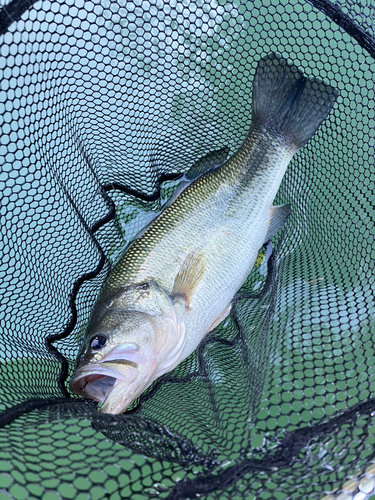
(143, 286)
(98, 342)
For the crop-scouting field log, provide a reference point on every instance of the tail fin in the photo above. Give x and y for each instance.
(288, 103)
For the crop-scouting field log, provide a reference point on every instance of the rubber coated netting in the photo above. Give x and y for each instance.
(103, 105)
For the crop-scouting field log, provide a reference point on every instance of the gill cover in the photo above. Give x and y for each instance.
(143, 340)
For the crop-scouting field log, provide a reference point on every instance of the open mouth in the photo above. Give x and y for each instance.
(95, 386)
(96, 382)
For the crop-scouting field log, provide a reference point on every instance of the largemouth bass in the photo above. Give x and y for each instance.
(177, 280)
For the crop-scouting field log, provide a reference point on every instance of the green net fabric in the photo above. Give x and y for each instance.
(103, 105)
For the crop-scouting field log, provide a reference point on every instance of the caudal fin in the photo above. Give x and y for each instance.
(285, 102)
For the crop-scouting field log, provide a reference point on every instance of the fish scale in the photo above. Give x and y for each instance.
(214, 216)
(176, 282)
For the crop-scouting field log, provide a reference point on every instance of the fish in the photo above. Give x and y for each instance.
(176, 281)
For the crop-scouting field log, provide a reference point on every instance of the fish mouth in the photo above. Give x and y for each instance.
(97, 382)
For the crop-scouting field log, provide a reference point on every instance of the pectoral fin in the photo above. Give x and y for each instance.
(188, 277)
(279, 215)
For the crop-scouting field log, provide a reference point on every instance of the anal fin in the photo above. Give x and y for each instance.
(279, 216)
(220, 318)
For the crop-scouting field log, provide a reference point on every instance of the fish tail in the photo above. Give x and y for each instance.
(286, 103)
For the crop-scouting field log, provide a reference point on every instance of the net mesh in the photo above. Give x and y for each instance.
(103, 105)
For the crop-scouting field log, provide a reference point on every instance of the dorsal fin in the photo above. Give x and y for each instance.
(209, 162)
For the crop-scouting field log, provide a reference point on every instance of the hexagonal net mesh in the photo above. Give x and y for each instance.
(103, 105)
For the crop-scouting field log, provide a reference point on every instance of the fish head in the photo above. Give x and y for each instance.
(134, 336)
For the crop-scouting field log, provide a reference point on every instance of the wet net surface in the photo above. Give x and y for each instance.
(103, 105)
